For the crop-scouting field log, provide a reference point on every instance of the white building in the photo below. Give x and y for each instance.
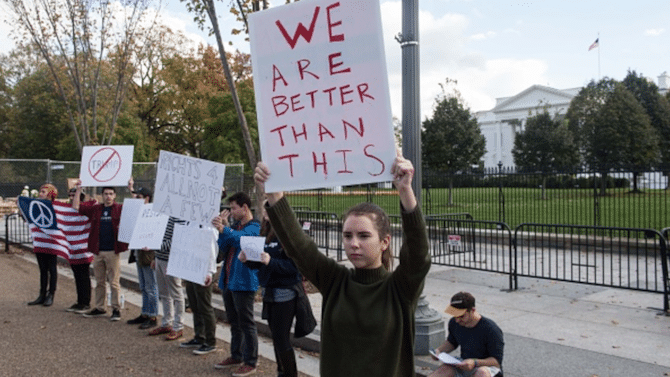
(500, 124)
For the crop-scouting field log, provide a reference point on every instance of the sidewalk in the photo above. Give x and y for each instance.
(552, 329)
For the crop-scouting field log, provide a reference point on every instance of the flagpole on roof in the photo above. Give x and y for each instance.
(598, 56)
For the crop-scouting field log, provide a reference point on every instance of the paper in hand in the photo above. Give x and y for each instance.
(446, 358)
(252, 247)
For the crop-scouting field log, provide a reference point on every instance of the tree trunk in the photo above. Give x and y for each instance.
(246, 135)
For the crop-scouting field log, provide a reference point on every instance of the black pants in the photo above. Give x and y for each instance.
(204, 318)
(82, 279)
(48, 273)
(280, 319)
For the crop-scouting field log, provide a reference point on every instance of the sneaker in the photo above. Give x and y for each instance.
(149, 323)
(191, 343)
(136, 321)
(160, 330)
(204, 349)
(244, 370)
(94, 313)
(229, 362)
(84, 309)
(116, 315)
(174, 335)
(76, 306)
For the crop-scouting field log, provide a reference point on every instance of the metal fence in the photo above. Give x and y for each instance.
(504, 195)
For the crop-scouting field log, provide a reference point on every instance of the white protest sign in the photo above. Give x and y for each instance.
(322, 97)
(129, 213)
(188, 188)
(252, 247)
(109, 165)
(191, 253)
(149, 229)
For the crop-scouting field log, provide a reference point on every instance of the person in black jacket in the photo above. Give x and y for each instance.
(282, 284)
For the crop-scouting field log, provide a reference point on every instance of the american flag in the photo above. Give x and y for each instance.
(67, 236)
(595, 44)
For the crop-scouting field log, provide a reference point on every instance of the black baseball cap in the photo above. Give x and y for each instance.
(144, 192)
(460, 303)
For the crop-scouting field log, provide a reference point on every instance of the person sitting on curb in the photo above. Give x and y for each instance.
(480, 339)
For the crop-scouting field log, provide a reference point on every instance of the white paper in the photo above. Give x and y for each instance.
(191, 253)
(110, 165)
(322, 94)
(129, 213)
(188, 188)
(252, 247)
(149, 229)
(446, 358)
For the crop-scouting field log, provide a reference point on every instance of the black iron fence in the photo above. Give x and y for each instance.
(627, 258)
(504, 195)
(16, 230)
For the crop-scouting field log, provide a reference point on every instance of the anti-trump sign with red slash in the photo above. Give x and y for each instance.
(109, 165)
(322, 98)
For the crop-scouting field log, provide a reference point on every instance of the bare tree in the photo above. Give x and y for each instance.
(200, 8)
(88, 46)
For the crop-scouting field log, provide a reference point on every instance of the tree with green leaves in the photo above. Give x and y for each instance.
(657, 108)
(620, 136)
(545, 145)
(452, 140)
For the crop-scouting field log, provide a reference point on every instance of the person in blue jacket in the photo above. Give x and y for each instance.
(238, 284)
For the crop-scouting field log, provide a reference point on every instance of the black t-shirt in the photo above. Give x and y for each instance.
(482, 341)
(106, 230)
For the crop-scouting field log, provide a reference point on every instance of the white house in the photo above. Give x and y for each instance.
(500, 124)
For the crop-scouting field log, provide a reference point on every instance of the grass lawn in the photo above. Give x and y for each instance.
(619, 208)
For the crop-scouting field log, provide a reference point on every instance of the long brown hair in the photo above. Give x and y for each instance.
(381, 222)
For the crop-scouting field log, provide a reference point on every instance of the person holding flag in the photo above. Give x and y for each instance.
(56, 229)
(80, 259)
(47, 257)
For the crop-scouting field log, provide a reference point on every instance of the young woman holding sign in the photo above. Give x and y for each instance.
(367, 326)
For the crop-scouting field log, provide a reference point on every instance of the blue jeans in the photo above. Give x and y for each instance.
(244, 337)
(147, 279)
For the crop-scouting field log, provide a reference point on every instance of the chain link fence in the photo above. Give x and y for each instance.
(16, 174)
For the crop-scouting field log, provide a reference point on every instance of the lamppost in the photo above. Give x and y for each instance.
(429, 323)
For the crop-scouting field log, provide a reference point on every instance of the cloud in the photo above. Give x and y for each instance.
(654, 32)
(482, 36)
(448, 52)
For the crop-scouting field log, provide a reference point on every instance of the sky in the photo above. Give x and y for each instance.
(497, 49)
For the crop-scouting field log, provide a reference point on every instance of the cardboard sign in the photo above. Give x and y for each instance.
(192, 251)
(149, 229)
(188, 188)
(322, 98)
(252, 247)
(109, 165)
(129, 213)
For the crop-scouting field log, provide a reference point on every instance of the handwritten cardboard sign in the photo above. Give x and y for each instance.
(252, 247)
(192, 251)
(322, 98)
(149, 229)
(109, 165)
(129, 213)
(188, 188)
